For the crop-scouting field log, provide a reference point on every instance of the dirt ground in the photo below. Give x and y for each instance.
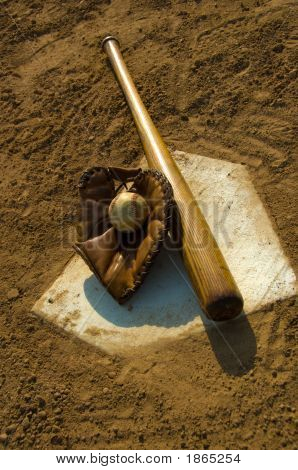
(218, 78)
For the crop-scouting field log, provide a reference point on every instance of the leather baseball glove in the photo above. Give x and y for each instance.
(121, 260)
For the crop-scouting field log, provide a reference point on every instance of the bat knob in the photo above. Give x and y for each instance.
(109, 37)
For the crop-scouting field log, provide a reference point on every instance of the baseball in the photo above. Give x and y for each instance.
(128, 211)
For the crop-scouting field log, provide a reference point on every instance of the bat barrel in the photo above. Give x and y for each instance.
(212, 280)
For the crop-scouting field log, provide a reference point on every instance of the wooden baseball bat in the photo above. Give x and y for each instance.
(212, 280)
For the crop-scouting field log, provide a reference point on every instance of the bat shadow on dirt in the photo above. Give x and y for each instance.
(234, 344)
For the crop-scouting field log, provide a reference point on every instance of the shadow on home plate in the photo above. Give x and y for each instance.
(166, 299)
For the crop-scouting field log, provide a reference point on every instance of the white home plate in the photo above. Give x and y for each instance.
(165, 306)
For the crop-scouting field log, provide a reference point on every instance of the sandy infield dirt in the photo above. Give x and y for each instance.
(218, 78)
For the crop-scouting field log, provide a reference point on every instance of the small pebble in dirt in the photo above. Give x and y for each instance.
(13, 294)
(57, 440)
(3, 437)
(41, 402)
(112, 374)
(106, 390)
(42, 415)
(11, 428)
(141, 395)
(278, 48)
(27, 212)
(26, 424)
